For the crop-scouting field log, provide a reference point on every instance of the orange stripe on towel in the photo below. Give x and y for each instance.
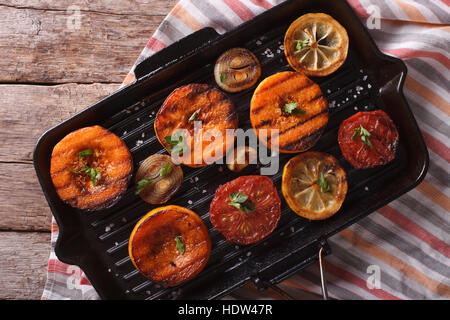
(187, 18)
(411, 272)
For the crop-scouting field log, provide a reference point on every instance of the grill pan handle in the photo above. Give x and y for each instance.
(176, 51)
(324, 249)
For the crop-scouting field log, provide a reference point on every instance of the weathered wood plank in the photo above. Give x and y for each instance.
(22, 203)
(27, 111)
(135, 7)
(42, 46)
(23, 266)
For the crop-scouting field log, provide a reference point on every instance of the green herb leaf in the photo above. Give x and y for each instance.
(93, 174)
(238, 197)
(193, 116)
(303, 44)
(165, 170)
(142, 184)
(73, 171)
(84, 153)
(180, 245)
(223, 77)
(323, 183)
(291, 108)
(364, 133)
(240, 201)
(176, 144)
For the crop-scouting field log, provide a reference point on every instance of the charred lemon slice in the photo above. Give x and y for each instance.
(170, 245)
(316, 44)
(314, 185)
(237, 69)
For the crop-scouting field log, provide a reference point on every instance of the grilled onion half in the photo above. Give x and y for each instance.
(158, 179)
(236, 70)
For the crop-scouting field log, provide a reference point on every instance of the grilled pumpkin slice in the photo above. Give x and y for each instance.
(91, 168)
(170, 245)
(203, 108)
(289, 107)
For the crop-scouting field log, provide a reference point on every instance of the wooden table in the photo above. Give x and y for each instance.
(51, 67)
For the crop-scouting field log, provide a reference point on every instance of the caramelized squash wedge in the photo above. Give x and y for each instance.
(91, 168)
(170, 245)
(208, 108)
(292, 104)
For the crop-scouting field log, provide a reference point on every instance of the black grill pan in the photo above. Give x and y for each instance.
(369, 80)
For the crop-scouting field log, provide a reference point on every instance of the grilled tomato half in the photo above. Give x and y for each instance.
(170, 245)
(192, 123)
(314, 185)
(91, 168)
(290, 109)
(246, 210)
(368, 139)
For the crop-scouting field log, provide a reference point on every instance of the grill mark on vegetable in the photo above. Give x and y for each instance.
(318, 96)
(263, 123)
(125, 158)
(296, 90)
(108, 182)
(311, 137)
(300, 123)
(308, 83)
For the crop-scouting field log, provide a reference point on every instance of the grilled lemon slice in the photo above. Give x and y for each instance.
(316, 44)
(314, 185)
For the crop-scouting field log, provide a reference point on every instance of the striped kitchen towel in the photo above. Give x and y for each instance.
(399, 252)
